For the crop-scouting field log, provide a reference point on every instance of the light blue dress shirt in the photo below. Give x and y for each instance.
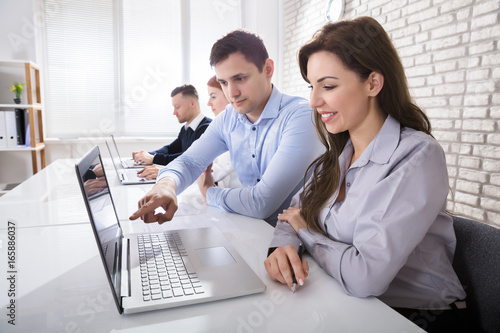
(269, 156)
(390, 237)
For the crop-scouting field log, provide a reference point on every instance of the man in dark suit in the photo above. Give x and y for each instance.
(187, 110)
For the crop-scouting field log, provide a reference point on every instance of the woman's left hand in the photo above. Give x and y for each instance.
(293, 217)
(206, 180)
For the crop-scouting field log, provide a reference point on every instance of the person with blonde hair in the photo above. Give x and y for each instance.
(221, 168)
(373, 213)
(217, 101)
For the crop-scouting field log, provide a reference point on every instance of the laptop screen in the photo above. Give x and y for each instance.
(111, 155)
(116, 148)
(97, 197)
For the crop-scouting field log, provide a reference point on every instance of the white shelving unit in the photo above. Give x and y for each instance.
(34, 107)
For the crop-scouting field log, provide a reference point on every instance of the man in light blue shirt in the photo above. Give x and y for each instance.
(270, 136)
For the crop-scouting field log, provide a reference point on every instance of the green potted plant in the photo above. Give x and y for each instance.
(17, 88)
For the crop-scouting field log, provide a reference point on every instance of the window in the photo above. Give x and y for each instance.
(111, 64)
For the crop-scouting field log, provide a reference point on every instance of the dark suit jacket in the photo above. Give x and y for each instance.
(170, 152)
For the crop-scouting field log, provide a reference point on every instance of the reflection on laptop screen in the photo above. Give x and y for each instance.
(105, 222)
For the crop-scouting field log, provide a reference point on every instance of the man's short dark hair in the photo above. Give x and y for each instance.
(185, 90)
(247, 43)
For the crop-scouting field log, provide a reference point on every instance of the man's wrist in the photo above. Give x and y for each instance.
(167, 181)
(152, 158)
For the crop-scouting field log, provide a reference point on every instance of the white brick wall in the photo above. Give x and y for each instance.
(451, 53)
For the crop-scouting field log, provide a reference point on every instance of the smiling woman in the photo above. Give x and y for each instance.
(372, 215)
(343, 100)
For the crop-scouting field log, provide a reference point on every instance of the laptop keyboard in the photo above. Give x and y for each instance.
(166, 271)
(130, 164)
(131, 175)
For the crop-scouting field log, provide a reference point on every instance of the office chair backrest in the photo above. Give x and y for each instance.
(477, 264)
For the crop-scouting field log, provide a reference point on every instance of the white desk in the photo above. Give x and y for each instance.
(61, 285)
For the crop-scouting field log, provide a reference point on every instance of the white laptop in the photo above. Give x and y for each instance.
(162, 270)
(129, 163)
(128, 176)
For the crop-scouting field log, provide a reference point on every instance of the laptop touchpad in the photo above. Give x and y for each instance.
(215, 256)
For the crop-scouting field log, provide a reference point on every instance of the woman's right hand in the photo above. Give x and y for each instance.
(282, 261)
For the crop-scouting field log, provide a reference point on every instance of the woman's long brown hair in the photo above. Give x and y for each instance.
(363, 46)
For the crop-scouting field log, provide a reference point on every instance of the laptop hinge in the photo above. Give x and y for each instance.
(125, 283)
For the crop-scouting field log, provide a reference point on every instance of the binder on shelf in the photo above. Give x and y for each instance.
(3, 130)
(27, 128)
(15, 125)
(10, 123)
(28, 136)
(14, 128)
(20, 126)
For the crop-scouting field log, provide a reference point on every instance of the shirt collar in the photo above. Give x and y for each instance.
(384, 144)
(196, 121)
(271, 110)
